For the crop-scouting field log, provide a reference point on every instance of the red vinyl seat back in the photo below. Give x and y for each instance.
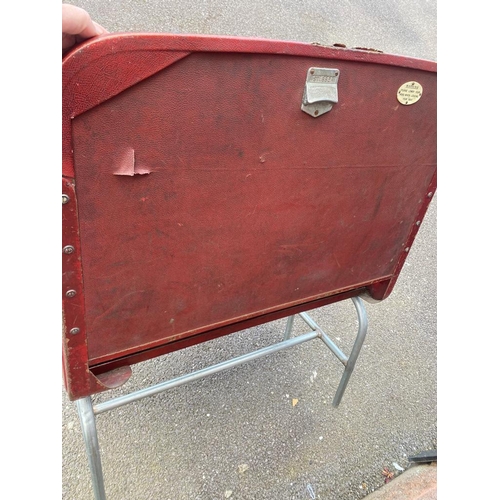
(204, 200)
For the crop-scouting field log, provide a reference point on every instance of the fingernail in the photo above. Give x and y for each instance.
(99, 29)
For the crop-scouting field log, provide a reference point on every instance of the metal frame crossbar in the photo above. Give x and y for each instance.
(87, 411)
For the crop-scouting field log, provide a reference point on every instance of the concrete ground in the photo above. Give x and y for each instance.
(267, 430)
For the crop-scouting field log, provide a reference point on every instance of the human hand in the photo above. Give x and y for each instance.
(77, 26)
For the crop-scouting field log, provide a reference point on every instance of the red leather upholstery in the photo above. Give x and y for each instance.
(203, 200)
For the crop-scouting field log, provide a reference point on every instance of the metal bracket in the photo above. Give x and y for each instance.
(320, 91)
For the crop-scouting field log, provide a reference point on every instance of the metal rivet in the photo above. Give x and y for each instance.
(312, 72)
(407, 249)
(74, 331)
(70, 293)
(68, 249)
(417, 223)
(65, 199)
(429, 194)
(316, 113)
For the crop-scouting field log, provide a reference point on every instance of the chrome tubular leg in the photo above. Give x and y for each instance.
(289, 326)
(362, 328)
(210, 370)
(87, 421)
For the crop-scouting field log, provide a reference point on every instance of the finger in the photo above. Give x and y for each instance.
(76, 21)
(100, 30)
(68, 41)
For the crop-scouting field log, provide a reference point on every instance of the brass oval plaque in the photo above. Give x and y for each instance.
(409, 93)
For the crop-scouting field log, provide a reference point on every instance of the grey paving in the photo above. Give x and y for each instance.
(237, 434)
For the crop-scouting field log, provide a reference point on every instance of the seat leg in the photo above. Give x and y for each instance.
(289, 326)
(89, 430)
(349, 367)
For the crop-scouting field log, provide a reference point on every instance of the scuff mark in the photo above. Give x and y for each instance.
(251, 213)
(336, 260)
(262, 157)
(125, 306)
(127, 164)
(368, 49)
